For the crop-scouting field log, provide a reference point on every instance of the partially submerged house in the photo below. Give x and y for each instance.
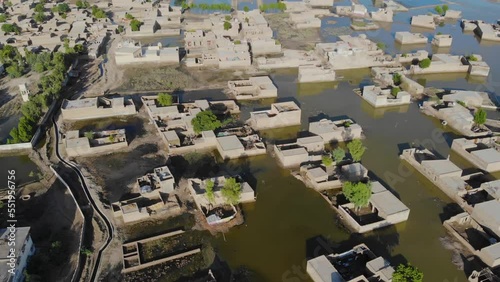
(314, 73)
(425, 21)
(259, 87)
(490, 32)
(280, 115)
(378, 97)
(481, 152)
(233, 146)
(213, 208)
(339, 131)
(386, 209)
(129, 53)
(442, 40)
(382, 15)
(143, 206)
(94, 143)
(98, 107)
(405, 37)
(357, 264)
(303, 150)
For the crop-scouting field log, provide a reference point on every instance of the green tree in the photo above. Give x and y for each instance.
(396, 79)
(395, 91)
(338, 154)
(439, 10)
(164, 99)
(135, 25)
(231, 191)
(3, 18)
(407, 273)
(246, 9)
(129, 16)
(425, 63)
(11, 28)
(98, 13)
(79, 48)
(205, 120)
(480, 116)
(358, 193)
(445, 8)
(79, 4)
(14, 70)
(327, 160)
(209, 190)
(89, 134)
(61, 8)
(356, 149)
(227, 25)
(32, 111)
(39, 8)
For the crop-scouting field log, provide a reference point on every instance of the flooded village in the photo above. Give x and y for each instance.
(312, 140)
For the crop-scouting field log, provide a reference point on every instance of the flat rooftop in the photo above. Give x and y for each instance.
(441, 167)
(386, 201)
(79, 104)
(489, 155)
(229, 143)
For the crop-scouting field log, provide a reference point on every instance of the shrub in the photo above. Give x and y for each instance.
(407, 273)
(439, 10)
(231, 191)
(227, 25)
(338, 154)
(3, 18)
(129, 16)
(327, 160)
(472, 58)
(425, 63)
(246, 9)
(381, 45)
(11, 28)
(480, 117)
(164, 99)
(396, 78)
(135, 25)
(209, 190)
(395, 91)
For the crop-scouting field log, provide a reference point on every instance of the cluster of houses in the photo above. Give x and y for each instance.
(77, 26)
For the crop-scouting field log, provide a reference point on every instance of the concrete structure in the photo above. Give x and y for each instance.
(319, 3)
(129, 53)
(386, 209)
(469, 98)
(305, 149)
(280, 115)
(99, 107)
(259, 87)
(265, 47)
(405, 37)
(487, 215)
(320, 178)
(160, 179)
(147, 204)
(424, 21)
(336, 131)
(355, 10)
(477, 67)
(445, 63)
(456, 116)
(290, 59)
(382, 15)
(487, 31)
(20, 253)
(358, 264)
(304, 20)
(410, 57)
(198, 189)
(480, 241)
(453, 14)
(378, 97)
(481, 152)
(102, 142)
(354, 53)
(354, 172)
(442, 40)
(468, 25)
(315, 74)
(233, 147)
(24, 91)
(395, 6)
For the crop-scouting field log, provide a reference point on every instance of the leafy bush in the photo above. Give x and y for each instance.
(231, 191)
(3, 18)
(246, 9)
(425, 63)
(11, 28)
(98, 13)
(472, 58)
(338, 154)
(327, 160)
(135, 25)
(396, 79)
(480, 117)
(227, 25)
(407, 273)
(164, 99)
(381, 45)
(205, 120)
(395, 91)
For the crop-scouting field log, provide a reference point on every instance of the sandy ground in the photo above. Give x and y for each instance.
(290, 37)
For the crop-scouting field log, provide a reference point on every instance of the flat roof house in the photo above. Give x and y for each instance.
(405, 37)
(233, 147)
(101, 142)
(357, 264)
(99, 107)
(259, 87)
(378, 97)
(280, 115)
(481, 152)
(299, 152)
(339, 130)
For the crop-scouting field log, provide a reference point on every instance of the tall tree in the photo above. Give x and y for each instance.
(357, 193)
(338, 154)
(205, 120)
(209, 190)
(356, 149)
(164, 99)
(480, 117)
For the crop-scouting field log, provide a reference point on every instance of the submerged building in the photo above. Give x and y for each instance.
(99, 107)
